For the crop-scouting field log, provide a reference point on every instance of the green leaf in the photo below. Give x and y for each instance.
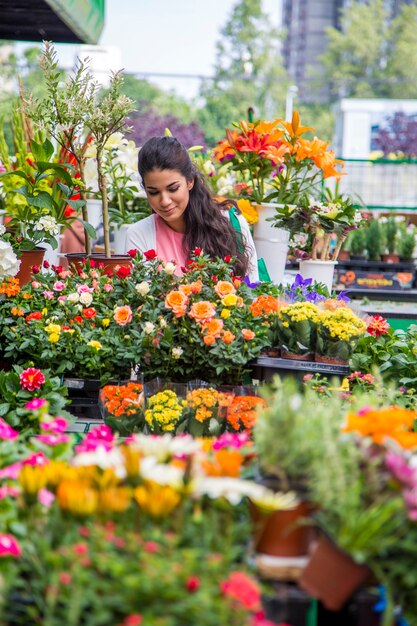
(43, 200)
(90, 229)
(58, 170)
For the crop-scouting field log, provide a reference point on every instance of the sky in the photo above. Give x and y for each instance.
(166, 37)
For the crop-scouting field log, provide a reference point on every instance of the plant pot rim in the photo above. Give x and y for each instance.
(318, 261)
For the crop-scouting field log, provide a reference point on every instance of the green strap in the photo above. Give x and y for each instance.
(263, 273)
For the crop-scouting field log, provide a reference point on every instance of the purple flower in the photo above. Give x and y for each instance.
(343, 296)
(249, 284)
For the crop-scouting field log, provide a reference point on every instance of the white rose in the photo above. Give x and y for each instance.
(163, 323)
(148, 328)
(73, 297)
(177, 352)
(9, 263)
(86, 298)
(170, 268)
(143, 288)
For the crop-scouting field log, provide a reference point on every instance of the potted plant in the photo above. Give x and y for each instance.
(407, 242)
(390, 233)
(75, 117)
(374, 238)
(356, 243)
(275, 164)
(39, 201)
(338, 332)
(297, 323)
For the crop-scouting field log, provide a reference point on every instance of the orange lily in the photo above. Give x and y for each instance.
(294, 128)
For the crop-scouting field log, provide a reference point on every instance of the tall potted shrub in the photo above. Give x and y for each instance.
(76, 116)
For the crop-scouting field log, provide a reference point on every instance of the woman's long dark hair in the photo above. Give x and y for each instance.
(206, 225)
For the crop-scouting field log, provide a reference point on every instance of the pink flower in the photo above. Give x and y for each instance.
(48, 295)
(6, 431)
(84, 289)
(56, 425)
(99, 436)
(151, 546)
(38, 459)
(59, 286)
(45, 498)
(231, 440)
(11, 471)
(107, 287)
(80, 548)
(242, 588)
(31, 379)
(35, 284)
(6, 491)
(9, 546)
(62, 298)
(53, 439)
(400, 469)
(377, 325)
(65, 578)
(35, 404)
(134, 619)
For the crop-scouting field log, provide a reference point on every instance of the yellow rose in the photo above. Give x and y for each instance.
(53, 328)
(230, 300)
(225, 314)
(53, 337)
(105, 322)
(94, 344)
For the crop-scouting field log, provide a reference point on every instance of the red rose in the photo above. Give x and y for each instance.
(193, 584)
(89, 312)
(227, 258)
(69, 211)
(132, 253)
(36, 315)
(197, 251)
(35, 269)
(214, 279)
(78, 319)
(57, 269)
(92, 263)
(150, 254)
(123, 272)
(46, 264)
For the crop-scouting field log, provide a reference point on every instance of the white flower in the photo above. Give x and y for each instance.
(116, 140)
(270, 501)
(232, 489)
(163, 447)
(86, 298)
(2, 229)
(161, 473)
(170, 268)
(177, 352)
(49, 224)
(148, 328)
(143, 288)
(209, 168)
(9, 263)
(357, 217)
(73, 297)
(225, 184)
(163, 323)
(105, 459)
(90, 175)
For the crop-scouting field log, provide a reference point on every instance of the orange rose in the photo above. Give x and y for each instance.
(209, 340)
(223, 288)
(213, 327)
(122, 315)
(247, 334)
(177, 301)
(202, 311)
(228, 337)
(194, 287)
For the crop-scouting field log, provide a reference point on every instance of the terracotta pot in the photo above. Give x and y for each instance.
(109, 263)
(331, 575)
(321, 358)
(309, 356)
(28, 259)
(278, 534)
(344, 255)
(390, 258)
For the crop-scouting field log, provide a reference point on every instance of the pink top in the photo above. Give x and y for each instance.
(169, 245)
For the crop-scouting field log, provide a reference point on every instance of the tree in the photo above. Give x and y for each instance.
(248, 72)
(148, 123)
(398, 136)
(374, 54)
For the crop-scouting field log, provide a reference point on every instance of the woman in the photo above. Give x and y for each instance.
(185, 214)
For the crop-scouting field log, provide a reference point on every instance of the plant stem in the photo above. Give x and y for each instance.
(104, 201)
(339, 245)
(84, 208)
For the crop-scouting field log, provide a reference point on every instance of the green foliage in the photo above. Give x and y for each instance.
(390, 232)
(374, 240)
(374, 54)
(356, 242)
(248, 72)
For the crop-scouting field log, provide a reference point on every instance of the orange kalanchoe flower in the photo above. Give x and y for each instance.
(10, 287)
(392, 422)
(264, 305)
(241, 413)
(122, 400)
(225, 463)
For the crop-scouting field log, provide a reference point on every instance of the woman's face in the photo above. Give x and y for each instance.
(168, 193)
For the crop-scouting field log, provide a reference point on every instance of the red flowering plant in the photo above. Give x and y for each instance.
(116, 531)
(20, 387)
